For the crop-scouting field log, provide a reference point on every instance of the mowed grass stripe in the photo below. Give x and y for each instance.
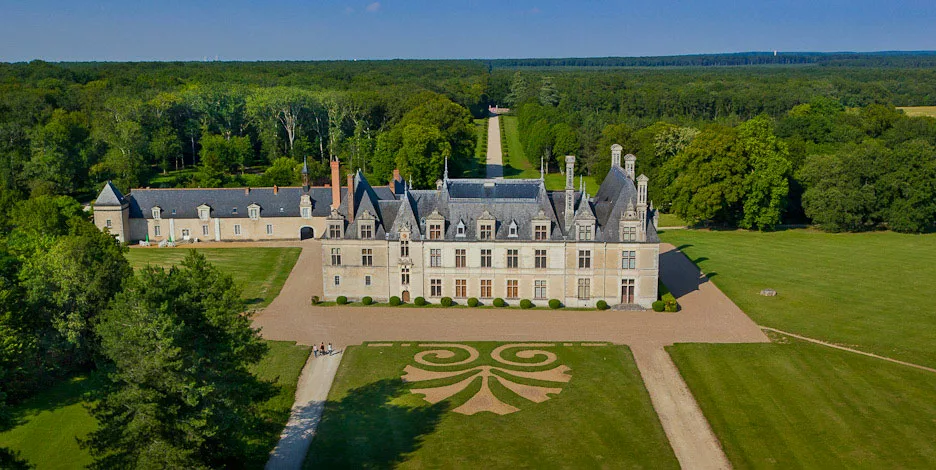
(259, 271)
(867, 291)
(808, 406)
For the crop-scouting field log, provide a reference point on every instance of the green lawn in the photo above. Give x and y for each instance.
(47, 425)
(259, 271)
(602, 418)
(870, 290)
(671, 220)
(800, 405)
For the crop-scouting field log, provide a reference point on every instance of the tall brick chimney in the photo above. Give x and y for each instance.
(350, 197)
(335, 184)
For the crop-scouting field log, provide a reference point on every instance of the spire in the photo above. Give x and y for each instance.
(305, 174)
(542, 174)
(445, 175)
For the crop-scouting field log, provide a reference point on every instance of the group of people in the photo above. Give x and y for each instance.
(320, 350)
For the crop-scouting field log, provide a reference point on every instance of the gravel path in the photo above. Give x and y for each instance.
(311, 394)
(495, 157)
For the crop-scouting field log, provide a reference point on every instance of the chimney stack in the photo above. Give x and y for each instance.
(247, 191)
(350, 198)
(616, 150)
(629, 165)
(396, 174)
(569, 192)
(275, 190)
(335, 184)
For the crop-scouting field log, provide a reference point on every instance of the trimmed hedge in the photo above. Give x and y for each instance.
(671, 306)
(315, 299)
(602, 305)
(473, 302)
(446, 302)
(341, 300)
(367, 300)
(554, 303)
(395, 301)
(669, 300)
(526, 303)
(499, 302)
(420, 301)
(658, 306)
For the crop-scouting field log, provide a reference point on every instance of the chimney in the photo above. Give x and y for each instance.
(396, 174)
(335, 184)
(350, 198)
(629, 165)
(569, 192)
(247, 191)
(275, 190)
(616, 155)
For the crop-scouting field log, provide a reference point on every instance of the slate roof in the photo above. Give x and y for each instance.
(109, 196)
(226, 202)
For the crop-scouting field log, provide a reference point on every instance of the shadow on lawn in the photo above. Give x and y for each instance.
(67, 392)
(364, 430)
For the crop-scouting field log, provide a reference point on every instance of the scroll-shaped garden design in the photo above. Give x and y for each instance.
(526, 378)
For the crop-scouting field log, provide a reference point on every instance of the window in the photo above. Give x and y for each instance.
(203, 213)
(513, 260)
(435, 258)
(156, 213)
(173, 211)
(306, 212)
(435, 231)
(186, 234)
(541, 259)
(539, 289)
(460, 258)
(539, 232)
(334, 230)
(367, 231)
(404, 275)
(234, 211)
(337, 280)
(367, 281)
(513, 291)
(512, 230)
(460, 229)
(108, 223)
(461, 288)
(237, 229)
(486, 231)
(367, 257)
(404, 248)
(584, 259)
(269, 229)
(435, 287)
(204, 230)
(253, 212)
(336, 256)
(584, 289)
(486, 289)
(627, 291)
(628, 259)
(630, 234)
(585, 232)
(157, 231)
(485, 258)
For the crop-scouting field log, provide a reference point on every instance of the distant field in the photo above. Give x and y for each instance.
(801, 405)
(919, 110)
(867, 290)
(602, 418)
(47, 424)
(260, 271)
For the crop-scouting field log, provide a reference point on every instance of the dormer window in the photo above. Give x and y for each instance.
(584, 232)
(173, 212)
(253, 211)
(460, 229)
(233, 211)
(541, 232)
(366, 230)
(512, 230)
(486, 231)
(204, 212)
(157, 213)
(435, 231)
(334, 230)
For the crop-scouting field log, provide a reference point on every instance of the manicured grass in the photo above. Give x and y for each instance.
(915, 111)
(47, 425)
(259, 271)
(671, 220)
(602, 418)
(870, 290)
(800, 405)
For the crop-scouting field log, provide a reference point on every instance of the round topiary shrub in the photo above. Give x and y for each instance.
(341, 300)
(602, 305)
(554, 303)
(367, 300)
(395, 301)
(446, 302)
(420, 301)
(315, 299)
(526, 303)
(473, 302)
(658, 306)
(499, 302)
(671, 306)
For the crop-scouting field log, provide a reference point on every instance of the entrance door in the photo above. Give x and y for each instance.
(627, 291)
(306, 233)
(405, 296)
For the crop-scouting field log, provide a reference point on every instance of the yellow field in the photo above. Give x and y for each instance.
(915, 111)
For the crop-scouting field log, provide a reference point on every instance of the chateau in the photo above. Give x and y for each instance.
(484, 238)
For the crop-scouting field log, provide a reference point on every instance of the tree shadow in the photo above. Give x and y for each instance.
(253, 301)
(684, 246)
(510, 171)
(364, 430)
(65, 393)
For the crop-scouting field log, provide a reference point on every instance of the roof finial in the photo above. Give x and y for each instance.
(445, 175)
(305, 165)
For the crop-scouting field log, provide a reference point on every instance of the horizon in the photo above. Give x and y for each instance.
(281, 30)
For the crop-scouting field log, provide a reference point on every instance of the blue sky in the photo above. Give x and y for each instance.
(384, 29)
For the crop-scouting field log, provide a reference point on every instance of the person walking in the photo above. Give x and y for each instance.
(330, 350)
(314, 351)
(322, 348)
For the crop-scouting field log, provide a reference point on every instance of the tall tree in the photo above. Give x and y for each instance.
(767, 182)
